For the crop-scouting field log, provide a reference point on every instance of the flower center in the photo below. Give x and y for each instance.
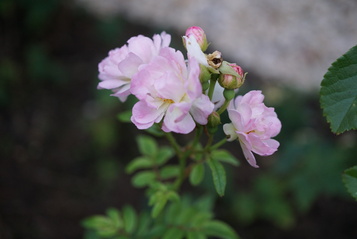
(169, 101)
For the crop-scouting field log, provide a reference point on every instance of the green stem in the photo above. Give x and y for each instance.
(209, 142)
(174, 144)
(183, 158)
(218, 144)
(223, 107)
(211, 87)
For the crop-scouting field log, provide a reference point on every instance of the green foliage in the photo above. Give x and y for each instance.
(160, 195)
(339, 93)
(124, 116)
(105, 226)
(225, 157)
(147, 146)
(182, 219)
(218, 175)
(267, 200)
(197, 174)
(350, 180)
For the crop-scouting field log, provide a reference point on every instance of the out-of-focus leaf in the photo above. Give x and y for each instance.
(169, 171)
(224, 156)
(125, 116)
(130, 219)
(219, 229)
(155, 130)
(104, 226)
(159, 204)
(338, 94)
(114, 215)
(138, 163)
(164, 154)
(173, 233)
(197, 174)
(143, 179)
(196, 235)
(147, 145)
(218, 175)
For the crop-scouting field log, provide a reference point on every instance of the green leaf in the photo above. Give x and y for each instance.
(224, 156)
(158, 205)
(173, 233)
(219, 229)
(350, 180)
(114, 215)
(155, 130)
(143, 224)
(104, 226)
(338, 94)
(197, 174)
(169, 171)
(138, 163)
(164, 154)
(125, 116)
(143, 179)
(130, 219)
(147, 145)
(195, 235)
(218, 175)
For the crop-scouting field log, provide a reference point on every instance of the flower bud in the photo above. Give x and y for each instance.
(213, 120)
(232, 76)
(199, 35)
(205, 75)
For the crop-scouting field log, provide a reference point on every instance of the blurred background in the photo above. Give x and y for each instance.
(63, 150)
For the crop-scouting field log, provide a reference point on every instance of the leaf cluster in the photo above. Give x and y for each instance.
(182, 219)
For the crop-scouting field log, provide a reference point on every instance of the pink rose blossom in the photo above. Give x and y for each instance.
(168, 89)
(121, 64)
(253, 124)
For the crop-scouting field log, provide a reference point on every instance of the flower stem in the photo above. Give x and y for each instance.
(211, 86)
(223, 107)
(174, 144)
(218, 144)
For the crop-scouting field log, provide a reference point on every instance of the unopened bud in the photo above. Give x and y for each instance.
(232, 76)
(199, 35)
(213, 120)
(215, 59)
(205, 74)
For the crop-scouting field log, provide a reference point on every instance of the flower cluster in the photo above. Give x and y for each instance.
(179, 94)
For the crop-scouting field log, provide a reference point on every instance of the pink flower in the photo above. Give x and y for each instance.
(253, 124)
(167, 89)
(121, 64)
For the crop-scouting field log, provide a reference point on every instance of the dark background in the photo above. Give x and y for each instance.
(63, 151)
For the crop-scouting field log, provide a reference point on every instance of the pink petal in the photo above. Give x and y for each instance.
(144, 117)
(130, 65)
(249, 156)
(178, 121)
(201, 108)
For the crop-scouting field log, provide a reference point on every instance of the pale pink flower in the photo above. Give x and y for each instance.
(121, 64)
(253, 124)
(169, 90)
